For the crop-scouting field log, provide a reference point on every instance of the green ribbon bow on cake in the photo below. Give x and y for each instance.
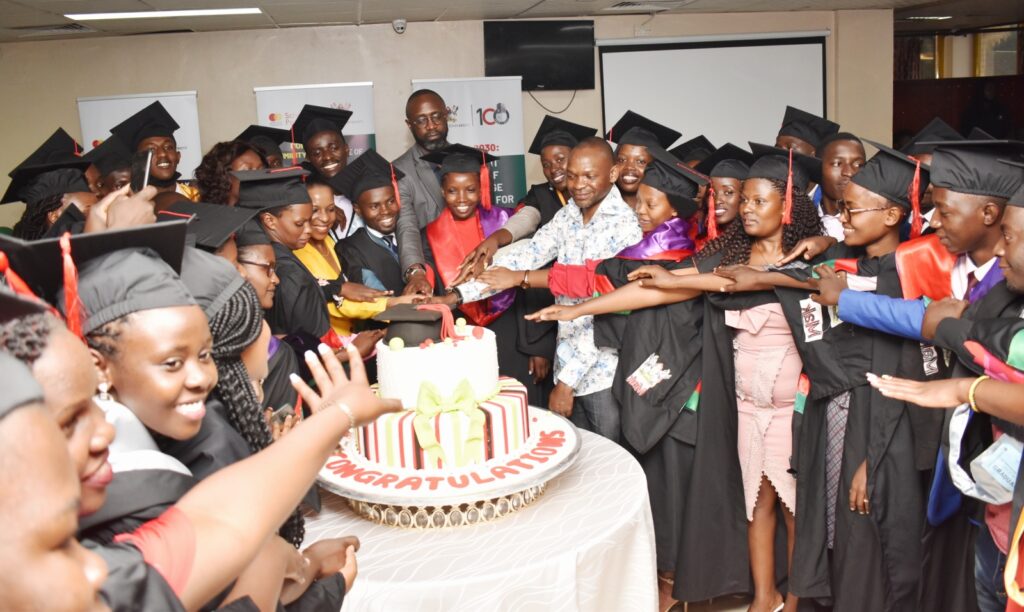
(430, 404)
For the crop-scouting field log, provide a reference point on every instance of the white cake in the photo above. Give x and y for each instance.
(401, 372)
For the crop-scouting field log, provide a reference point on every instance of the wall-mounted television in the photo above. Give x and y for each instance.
(547, 54)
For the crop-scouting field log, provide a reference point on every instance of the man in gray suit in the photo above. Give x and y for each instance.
(420, 188)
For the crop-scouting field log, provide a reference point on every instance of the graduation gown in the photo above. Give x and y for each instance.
(132, 584)
(71, 220)
(277, 388)
(542, 196)
(360, 252)
(217, 445)
(299, 303)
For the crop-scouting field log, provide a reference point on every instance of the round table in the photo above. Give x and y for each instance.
(586, 544)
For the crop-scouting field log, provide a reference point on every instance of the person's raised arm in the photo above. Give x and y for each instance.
(995, 397)
(628, 297)
(236, 509)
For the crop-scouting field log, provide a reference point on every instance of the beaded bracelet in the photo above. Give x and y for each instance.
(970, 392)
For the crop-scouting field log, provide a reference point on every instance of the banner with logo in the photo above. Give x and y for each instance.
(98, 115)
(279, 106)
(487, 113)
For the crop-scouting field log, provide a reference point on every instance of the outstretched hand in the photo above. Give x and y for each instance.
(830, 286)
(931, 394)
(500, 279)
(361, 293)
(808, 249)
(556, 312)
(337, 389)
(477, 260)
(653, 277)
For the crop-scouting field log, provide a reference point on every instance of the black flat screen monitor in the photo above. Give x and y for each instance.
(547, 54)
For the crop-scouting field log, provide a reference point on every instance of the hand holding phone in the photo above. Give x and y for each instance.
(141, 162)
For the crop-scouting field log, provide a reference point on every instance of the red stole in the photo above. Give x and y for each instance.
(925, 268)
(450, 242)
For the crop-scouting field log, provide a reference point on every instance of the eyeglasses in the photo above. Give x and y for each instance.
(439, 117)
(844, 210)
(270, 269)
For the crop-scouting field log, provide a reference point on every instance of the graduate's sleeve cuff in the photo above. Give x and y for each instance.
(894, 316)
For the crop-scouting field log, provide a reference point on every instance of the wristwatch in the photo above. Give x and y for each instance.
(526, 280)
(413, 269)
(458, 296)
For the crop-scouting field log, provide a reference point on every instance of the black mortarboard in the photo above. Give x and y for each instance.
(410, 323)
(210, 224)
(694, 149)
(555, 131)
(271, 187)
(897, 177)
(459, 158)
(808, 127)
(251, 234)
(977, 133)
(266, 139)
(1017, 199)
(313, 119)
(728, 161)
(937, 130)
(59, 147)
(211, 280)
(972, 166)
(33, 184)
(368, 171)
(675, 179)
(806, 168)
(110, 155)
(634, 129)
(20, 388)
(154, 120)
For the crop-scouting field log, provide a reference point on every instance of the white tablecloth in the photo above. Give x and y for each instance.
(586, 544)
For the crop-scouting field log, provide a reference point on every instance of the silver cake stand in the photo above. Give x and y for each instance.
(421, 499)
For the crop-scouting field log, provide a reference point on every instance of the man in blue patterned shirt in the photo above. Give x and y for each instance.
(596, 224)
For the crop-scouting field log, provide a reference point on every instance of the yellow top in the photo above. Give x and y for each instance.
(318, 266)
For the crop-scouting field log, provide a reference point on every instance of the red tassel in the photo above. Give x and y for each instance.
(485, 182)
(915, 202)
(712, 221)
(394, 185)
(14, 282)
(787, 212)
(72, 304)
(292, 144)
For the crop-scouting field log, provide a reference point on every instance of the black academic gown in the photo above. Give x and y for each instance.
(948, 581)
(512, 361)
(277, 388)
(217, 445)
(299, 303)
(543, 197)
(658, 424)
(132, 584)
(359, 252)
(71, 220)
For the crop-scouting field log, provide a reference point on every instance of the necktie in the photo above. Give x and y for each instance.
(972, 282)
(390, 241)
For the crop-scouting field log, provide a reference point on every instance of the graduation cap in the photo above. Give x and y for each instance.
(33, 184)
(784, 165)
(20, 388)
(806, 126)
(266, 139)
(59, 147)
(555, 131)
(211, 224)
(462, 159)
(271, 187)
(635, 129)
(972, 166)
(898, 178)
(368, 171)
(412, 324)
(66, 271)
(110, 155)
(313, 119)
(937, 130)
(675, 179)
(728, 161)
(154, 120)
(977, 133)
(694, 149)
(211, 280)
(251, 234)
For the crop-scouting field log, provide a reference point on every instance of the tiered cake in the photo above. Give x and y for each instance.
(466, 449)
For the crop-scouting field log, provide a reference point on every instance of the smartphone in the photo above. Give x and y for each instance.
(282, 413)
(140, 170)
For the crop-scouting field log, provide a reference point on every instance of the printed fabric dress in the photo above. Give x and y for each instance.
(768, 370)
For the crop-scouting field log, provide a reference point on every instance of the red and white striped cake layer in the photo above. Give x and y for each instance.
(391, 440)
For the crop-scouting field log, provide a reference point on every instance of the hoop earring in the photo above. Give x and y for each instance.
(104, 392)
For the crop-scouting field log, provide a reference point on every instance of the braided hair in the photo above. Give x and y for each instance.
(213, 175)
(35, 221)
(235, 327)
(26, 338)
(735, 244)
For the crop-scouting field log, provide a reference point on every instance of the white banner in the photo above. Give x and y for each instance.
(98, 115)
(487, 113)
(279, 106)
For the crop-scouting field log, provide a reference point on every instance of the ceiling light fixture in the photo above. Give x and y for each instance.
(159, 14)
(929, 18)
